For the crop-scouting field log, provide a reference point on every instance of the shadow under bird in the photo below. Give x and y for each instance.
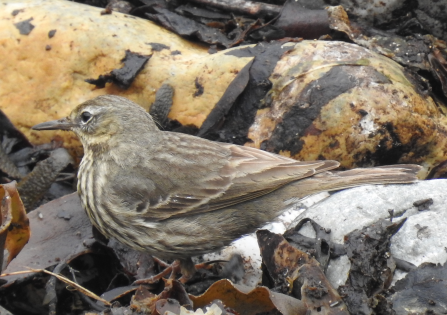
(177, 196)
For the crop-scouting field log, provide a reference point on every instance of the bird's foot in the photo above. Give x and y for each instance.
(170, 269)
(185, 267)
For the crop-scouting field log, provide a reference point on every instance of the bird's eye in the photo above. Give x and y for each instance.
(85, 117)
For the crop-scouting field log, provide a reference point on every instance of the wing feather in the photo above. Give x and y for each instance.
(220, 176)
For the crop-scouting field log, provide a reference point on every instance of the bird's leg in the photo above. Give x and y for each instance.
(168, 270)
(188, 268)
(160, 262)
(185, 267)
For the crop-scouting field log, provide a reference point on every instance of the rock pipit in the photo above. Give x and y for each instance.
(175, 195)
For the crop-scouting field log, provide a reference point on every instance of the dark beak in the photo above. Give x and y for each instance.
(60, 124)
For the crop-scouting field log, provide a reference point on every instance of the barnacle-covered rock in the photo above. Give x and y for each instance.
(333, 100)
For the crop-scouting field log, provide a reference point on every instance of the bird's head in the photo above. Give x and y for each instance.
(102, 119)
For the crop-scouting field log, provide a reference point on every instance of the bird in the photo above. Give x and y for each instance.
(176, 195)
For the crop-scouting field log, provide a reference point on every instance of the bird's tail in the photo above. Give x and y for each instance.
(336, 180)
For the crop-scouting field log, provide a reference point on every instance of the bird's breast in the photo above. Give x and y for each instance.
(106, 210)
(86, 190)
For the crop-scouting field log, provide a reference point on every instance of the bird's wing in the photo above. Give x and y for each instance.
(190, 177)
(257, 173)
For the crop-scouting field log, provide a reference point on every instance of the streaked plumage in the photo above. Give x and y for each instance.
(176, 195)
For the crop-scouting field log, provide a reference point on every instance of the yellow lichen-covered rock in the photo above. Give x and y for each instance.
(43, 72)
(333, 100)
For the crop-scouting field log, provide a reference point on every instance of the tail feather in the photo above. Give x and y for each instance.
(336, 180)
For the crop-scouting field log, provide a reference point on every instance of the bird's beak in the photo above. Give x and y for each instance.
(60, 124)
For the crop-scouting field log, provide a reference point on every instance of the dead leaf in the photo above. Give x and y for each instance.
(14, 223)
(248, 300)
(59, 227)
(145, 301)
(296, 272)
(372, 267)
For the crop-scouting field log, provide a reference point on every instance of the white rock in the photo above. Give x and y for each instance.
(421, 239)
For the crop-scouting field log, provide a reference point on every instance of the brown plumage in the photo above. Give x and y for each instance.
(176, 195)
